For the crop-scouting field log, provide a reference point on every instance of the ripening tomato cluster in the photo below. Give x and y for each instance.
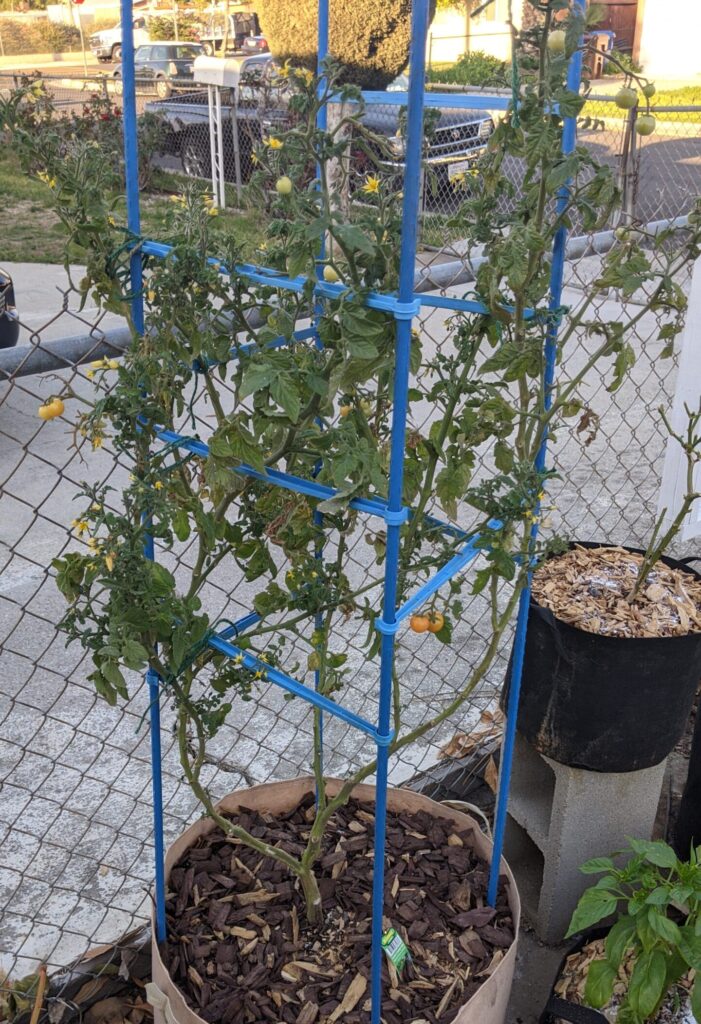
(427, 622)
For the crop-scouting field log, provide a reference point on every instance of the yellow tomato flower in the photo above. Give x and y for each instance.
(306, 75)
(213, 211)
(93, 544)
(158, 485)
(284, 71)
(274, 143)
(96, 442)
(90, 374)
(80, 526)
(109, 560)
(150, 295)
(259, 675)
(96, 507)
(112, 364)
(97, 364)
(372, 185)
(111, 221)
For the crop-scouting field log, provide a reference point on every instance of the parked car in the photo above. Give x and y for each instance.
(255, 44)
(9, 319)
(162, 64)
(242, 24)
(107, 45)
(456, 139)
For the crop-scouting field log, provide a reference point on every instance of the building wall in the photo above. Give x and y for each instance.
(447, 36)
(670, 41)
(453, 32)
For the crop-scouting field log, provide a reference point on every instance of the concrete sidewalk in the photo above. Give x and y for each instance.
(48, 306)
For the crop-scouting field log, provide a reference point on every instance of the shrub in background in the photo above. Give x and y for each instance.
(163, 28)
(477, 68)
(370, 39)
(38, 35)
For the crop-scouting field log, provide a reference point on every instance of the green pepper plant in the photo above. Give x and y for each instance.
(324, 411)
(656, 901)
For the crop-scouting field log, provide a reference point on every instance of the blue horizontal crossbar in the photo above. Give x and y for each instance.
(449, 100)
(275, 477)
(467, 305)
(239, 626)
(293, 686)
(456, 564)
(374, 300)
(276, 279)
(199, 366)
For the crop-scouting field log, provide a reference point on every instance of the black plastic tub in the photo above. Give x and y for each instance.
(602, 703)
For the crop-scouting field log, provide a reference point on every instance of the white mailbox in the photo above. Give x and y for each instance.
(221, 71)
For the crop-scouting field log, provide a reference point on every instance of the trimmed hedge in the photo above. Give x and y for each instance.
(37, 35)
(370, 37)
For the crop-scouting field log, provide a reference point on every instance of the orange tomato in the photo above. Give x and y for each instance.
(436, 621)
(419, 623)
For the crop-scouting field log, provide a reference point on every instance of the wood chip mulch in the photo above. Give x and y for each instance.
(570, 986)
(240, 950)
(589, 587)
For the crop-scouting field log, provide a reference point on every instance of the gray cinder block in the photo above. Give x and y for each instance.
(560, 817)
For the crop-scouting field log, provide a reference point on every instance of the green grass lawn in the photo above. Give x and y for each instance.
(32, 233)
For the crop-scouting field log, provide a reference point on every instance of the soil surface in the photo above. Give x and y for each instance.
(240, 950)
(570, 986)
(589, 588)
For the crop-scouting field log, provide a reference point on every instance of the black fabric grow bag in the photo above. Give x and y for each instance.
(606, 704)
(687, 830)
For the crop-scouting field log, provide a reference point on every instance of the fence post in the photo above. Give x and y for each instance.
(627, 169)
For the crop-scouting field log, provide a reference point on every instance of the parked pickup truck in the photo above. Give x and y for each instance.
(456, 138)
(107, 45)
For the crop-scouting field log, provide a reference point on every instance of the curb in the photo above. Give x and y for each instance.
(30, 61)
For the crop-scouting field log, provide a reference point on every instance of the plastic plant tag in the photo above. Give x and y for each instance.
(396, 949)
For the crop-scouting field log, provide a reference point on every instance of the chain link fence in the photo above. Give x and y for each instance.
(656, 173)
(75, 811)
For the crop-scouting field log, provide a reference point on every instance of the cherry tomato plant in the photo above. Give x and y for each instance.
(323, 410)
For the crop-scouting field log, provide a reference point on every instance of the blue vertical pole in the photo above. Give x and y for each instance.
(569, 140)
(410, 212)
(131, 171)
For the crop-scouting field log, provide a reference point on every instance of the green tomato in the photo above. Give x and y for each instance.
(645, 125)
(284, 185)
(622, 234)
(330, 274)
(366, 406)
(626, 98)
(556, 41)
(649, 90)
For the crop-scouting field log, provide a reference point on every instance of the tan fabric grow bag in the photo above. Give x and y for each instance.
(487, 1006)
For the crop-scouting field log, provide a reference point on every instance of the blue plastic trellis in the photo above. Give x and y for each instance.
(403, 307)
